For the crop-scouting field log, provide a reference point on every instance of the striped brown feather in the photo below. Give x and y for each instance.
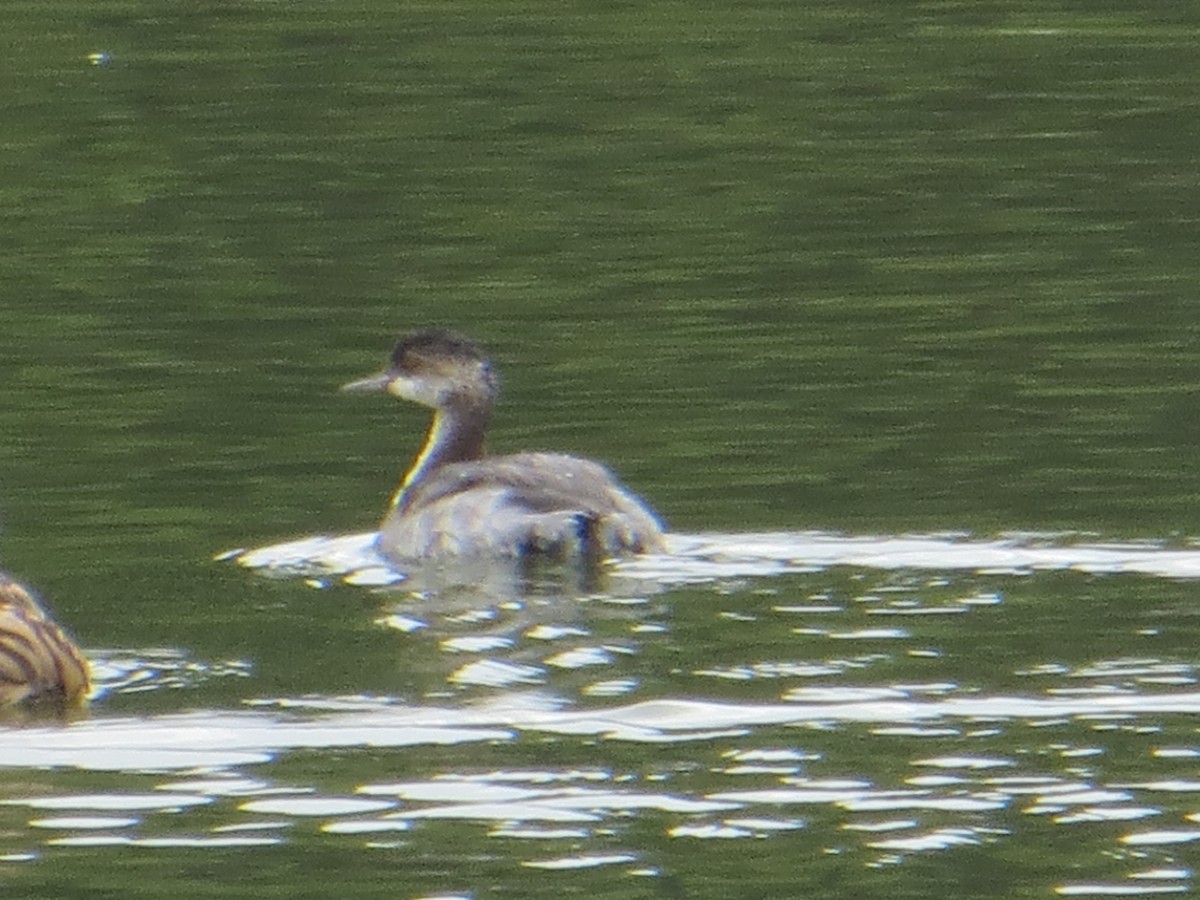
(37, 660)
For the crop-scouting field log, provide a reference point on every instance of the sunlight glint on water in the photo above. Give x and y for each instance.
(968, 764)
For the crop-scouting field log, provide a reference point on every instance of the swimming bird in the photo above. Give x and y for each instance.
(455, 501)
(37, 660)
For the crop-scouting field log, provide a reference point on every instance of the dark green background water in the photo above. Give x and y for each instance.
(786, 265)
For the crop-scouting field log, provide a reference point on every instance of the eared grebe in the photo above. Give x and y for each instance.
(37, 661)
(455, 501)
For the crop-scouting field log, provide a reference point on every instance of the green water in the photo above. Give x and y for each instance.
(858, 267)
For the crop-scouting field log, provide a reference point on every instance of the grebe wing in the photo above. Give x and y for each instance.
(540, 481)
(515, 505)
(485, 522)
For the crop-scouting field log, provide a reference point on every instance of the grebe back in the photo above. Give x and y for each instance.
(456, 501)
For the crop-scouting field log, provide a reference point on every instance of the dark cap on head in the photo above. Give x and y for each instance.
(435, 343)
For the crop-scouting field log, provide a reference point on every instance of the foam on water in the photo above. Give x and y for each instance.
(701, 558)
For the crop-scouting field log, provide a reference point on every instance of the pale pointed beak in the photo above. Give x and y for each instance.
(371, 384)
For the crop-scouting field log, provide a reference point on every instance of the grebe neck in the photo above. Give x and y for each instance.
(455, 435)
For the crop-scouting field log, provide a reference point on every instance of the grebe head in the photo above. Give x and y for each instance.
(435, 368)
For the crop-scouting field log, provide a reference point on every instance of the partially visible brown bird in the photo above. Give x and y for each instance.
(38, 662)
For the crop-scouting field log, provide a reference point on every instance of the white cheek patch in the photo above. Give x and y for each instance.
(426, 391)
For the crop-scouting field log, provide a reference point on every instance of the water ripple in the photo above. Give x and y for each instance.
(713, 557)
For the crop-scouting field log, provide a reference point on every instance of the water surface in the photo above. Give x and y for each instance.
(889, 310)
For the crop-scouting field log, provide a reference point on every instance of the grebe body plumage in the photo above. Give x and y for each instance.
(457, 501)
